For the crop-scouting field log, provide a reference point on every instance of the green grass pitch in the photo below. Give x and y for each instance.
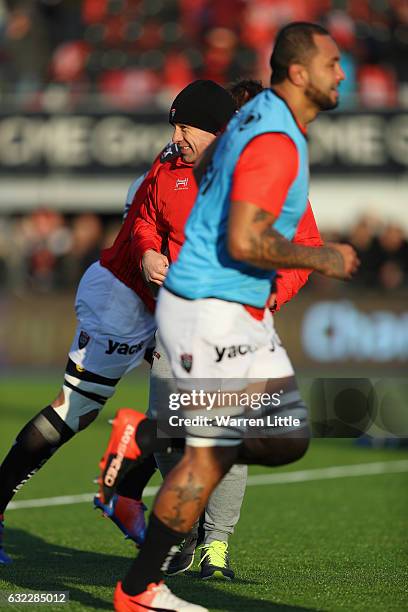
(334, 544)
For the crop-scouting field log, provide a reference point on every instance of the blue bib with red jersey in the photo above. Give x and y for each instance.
(204, 267)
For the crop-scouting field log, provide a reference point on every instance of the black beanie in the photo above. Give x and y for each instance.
(203, 104)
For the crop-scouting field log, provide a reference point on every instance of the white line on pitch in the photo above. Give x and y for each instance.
(328, 473)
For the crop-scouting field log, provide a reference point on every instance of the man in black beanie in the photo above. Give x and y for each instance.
(198, 113)
(203, 106)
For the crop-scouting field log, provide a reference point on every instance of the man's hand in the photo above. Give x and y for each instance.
(342, 261)
(154, 267)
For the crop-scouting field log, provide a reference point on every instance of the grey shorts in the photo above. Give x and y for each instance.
(162, 383)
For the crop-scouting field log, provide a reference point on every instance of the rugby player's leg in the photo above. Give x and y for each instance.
(224, 504)
(177, 507)
(70, 412)
(120, 329)
(124, 472)
(92, 372)
(161, 385)
(82, 396)
(137, 476)
(34, 445)
(221, 514)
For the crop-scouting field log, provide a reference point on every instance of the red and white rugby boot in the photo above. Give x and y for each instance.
(157, 597)
(120, 455)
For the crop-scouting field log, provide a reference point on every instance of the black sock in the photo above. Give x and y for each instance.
(29, 453)
(151, 562)
(136, 478)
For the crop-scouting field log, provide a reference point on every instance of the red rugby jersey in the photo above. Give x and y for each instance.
(155, 221)
(165, 209)
(121, 258)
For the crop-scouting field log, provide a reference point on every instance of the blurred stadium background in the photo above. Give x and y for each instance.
(85, 87)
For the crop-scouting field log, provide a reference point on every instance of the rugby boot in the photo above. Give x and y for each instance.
(120, 454)
(4, 558)
(157, 597)
(214, 562)
(184, 558)
(127, 514)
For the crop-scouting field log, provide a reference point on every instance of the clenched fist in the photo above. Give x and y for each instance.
(342, 261)
(154, 267)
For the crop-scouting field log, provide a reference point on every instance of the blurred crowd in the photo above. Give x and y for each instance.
(45, 251)
(383, 252)
(127, 54)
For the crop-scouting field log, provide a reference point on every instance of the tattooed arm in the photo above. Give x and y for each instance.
(251, 238)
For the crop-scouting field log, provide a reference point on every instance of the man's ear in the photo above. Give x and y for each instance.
(297, 74)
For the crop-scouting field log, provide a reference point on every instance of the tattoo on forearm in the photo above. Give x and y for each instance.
(190, 492)
(268, 248)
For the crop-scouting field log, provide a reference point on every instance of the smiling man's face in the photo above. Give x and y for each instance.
(191, 141)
